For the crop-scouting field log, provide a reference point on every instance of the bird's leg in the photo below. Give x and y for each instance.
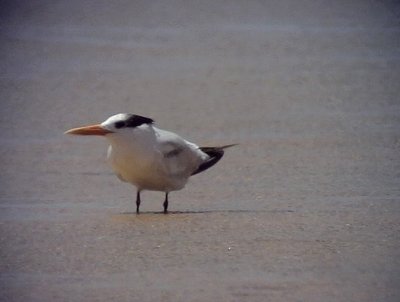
(137, 201)
(165, 204)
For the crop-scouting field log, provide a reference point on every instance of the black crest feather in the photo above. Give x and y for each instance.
(137, 120)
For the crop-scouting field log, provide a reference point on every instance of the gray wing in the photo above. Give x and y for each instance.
(179, 156)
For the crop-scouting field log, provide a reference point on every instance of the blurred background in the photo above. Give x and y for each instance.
(310, 90)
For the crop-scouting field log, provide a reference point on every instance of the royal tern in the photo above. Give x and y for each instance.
(148, 157)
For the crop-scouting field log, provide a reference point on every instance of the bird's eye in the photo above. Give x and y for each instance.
(119, 124)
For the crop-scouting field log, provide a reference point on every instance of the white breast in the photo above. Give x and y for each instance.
(153, 159)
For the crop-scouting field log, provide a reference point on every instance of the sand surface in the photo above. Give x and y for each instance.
(307, 208)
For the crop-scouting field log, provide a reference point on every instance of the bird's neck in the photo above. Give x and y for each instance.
(138, 140)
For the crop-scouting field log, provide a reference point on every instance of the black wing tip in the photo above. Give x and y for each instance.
(209, 162)
(216, 149)
(229, 146)
(215, 154)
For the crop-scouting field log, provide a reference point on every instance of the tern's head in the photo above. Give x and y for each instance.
(114, 124)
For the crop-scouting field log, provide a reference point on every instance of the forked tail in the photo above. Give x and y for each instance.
(215, 154)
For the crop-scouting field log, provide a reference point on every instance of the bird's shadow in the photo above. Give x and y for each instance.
(207, 212)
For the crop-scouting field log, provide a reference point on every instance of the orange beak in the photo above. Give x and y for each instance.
(89, 130)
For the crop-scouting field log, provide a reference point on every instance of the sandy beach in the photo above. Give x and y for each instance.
(306, 208)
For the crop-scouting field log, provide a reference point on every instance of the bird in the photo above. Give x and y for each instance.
(150, 158)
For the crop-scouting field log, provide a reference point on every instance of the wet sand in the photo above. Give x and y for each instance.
(305, 209)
